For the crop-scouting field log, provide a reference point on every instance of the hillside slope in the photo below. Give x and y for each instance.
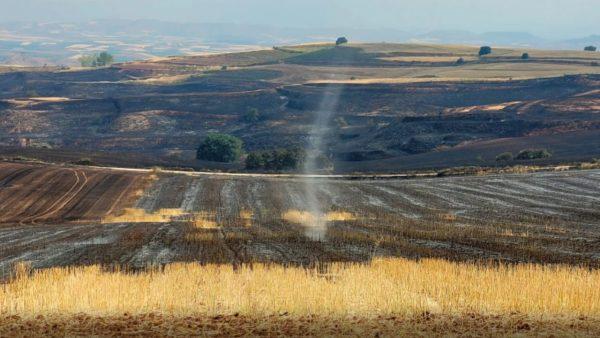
(399, 106)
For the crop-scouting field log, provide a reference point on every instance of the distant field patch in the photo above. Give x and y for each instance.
(426, 58)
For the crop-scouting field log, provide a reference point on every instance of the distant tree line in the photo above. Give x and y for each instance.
(97, 60)
(278, 159)
(227, 148)
(526, 154)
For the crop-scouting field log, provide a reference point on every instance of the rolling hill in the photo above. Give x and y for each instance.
(398, 106)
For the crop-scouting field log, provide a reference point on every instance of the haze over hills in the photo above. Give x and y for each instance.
(62, 43)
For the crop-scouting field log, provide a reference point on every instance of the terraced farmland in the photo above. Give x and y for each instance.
(549, 217)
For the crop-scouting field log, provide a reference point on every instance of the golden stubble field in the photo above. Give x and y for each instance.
(386, 295)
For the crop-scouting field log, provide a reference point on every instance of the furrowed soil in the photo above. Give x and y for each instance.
(550, 217)
(32, 194)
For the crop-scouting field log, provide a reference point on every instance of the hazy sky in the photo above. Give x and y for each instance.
(548, 18)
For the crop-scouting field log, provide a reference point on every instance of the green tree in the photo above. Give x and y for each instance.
(291, 158)
(277, 159)
(96, 60)
(104, 59)
(252, 115)
(525, 56)
(590, 48)
(341, 41)
(255, 161)
(220, 148)
(88, 61)
(485, 50)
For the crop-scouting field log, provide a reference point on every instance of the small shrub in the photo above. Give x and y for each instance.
(220, 148)
(84, 161)
(252, 115)
(341, 122)
(460, 61)
(533, 154)
(505, 157)
(525, 56)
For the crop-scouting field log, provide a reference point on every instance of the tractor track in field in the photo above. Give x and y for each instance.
(62, 201)
(37, 194)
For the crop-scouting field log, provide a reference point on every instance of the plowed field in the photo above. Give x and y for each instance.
(63, 216)
(34, 194)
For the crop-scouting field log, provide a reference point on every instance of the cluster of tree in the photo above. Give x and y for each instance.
(533, 154)
(97, 60)
(220, 148)
(527, 154)
(590, 48)
(278, 159)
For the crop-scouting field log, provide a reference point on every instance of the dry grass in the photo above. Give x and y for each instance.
(309, 218)
(204, 220)
(246, 216)
(133, 215)
(385, 287)
(199, 220)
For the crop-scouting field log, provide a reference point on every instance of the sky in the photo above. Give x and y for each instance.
(546, 18)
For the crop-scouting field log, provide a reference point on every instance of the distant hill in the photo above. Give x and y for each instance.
(593, 40)
(30, 44)
(493, 38)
